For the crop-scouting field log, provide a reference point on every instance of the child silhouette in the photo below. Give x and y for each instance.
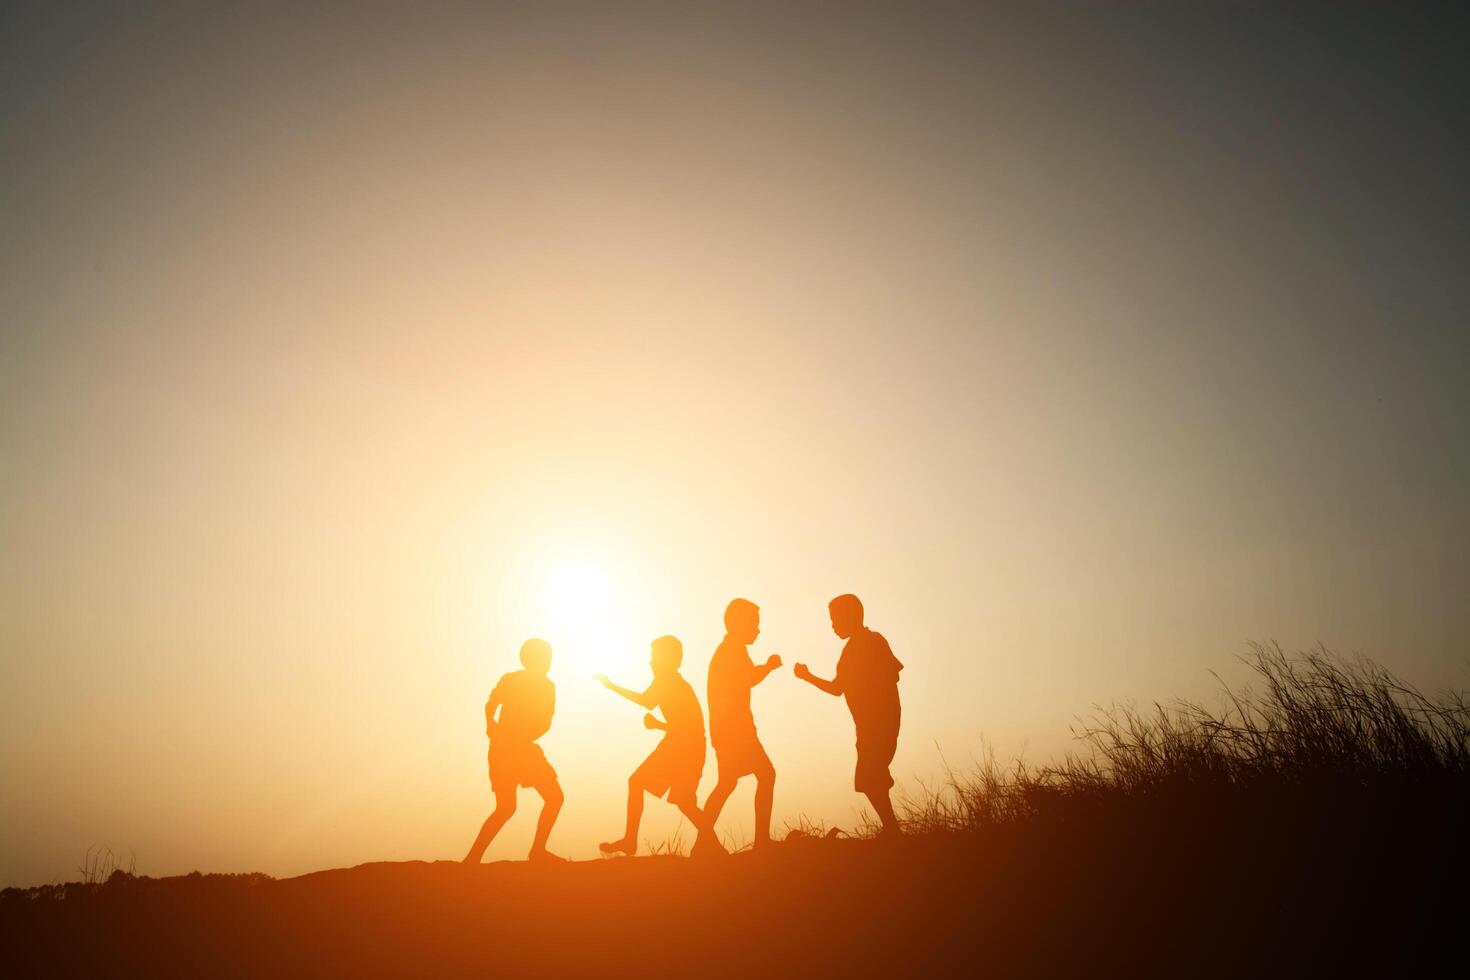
(867, 675)
(526, 700)
(677, 762)
(732, 674)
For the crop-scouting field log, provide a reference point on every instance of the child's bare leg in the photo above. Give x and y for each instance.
(505, 807)
(551, 801)
(884, 805)
(706, 843)
(696, 816)
(765, 798)
(717, 798)
(629, 843)
(635, 811)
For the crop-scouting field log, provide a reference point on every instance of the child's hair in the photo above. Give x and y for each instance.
(739, 611)
(849, 604)
(536, 655)
(669, 649)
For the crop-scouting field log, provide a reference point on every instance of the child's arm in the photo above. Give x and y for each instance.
(550, 711)
(651, 721)
(644, 699)
(490, 707)
(831, 687)
(760, 673)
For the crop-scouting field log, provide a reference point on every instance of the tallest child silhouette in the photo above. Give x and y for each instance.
(731, 725)
(867, 675)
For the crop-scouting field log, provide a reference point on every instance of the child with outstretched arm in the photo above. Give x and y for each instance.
(677, 762)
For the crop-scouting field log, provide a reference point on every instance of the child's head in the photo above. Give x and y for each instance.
(743, 620)
(847, 615)
(536, 656)
(668, 654)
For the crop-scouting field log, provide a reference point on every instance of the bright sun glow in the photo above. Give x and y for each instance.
(577, 595)
(580, 603)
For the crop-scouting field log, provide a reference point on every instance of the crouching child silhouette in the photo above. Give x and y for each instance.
(867, 676)
(677, 762)
(526, 700)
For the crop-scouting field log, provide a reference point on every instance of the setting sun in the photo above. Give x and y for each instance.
(577, 594)
(579, 600)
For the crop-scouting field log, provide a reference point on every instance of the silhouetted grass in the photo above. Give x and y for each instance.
(672, 845)
(1319, 732)
(100, 863)
(804, 826)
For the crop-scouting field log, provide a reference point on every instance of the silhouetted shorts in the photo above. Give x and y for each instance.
(673, 768)
(740, 755)
(513, 765)
(875, 749)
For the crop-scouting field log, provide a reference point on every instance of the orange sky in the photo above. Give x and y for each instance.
(328, 336)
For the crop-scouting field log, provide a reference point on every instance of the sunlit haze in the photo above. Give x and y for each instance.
(344, 349)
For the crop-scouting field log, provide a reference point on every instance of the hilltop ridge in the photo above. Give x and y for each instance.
(1109, 901)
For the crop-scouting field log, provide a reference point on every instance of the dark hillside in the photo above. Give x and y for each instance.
(1319, 826)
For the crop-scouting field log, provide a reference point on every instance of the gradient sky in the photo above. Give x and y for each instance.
(1085, 344)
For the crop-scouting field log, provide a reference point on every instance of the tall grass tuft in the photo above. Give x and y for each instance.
(1319, 731)
(99, 865)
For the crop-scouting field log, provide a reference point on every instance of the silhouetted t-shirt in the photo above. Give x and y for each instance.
(672, 694)
(527, 702)
(868, 674)
(731, 676)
